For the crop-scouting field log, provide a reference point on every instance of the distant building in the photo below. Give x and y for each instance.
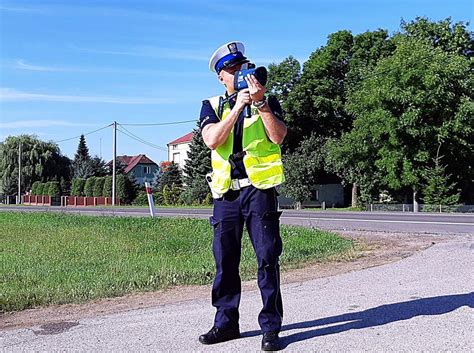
(141, 167)
(178, 149)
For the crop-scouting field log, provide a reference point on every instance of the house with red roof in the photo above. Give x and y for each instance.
(140, 167)
(178, 149)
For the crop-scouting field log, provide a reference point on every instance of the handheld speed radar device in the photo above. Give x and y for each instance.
(260, 74)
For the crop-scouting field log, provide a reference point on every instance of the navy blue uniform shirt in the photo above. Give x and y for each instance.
(208, 116)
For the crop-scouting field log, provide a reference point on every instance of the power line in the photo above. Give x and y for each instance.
(139, 139)
(87, 133)
(158, 124)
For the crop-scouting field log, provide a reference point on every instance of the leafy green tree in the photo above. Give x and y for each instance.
(450, 37)
(40, 161)
(89, 186)
(412, 102)
(197, 166)
(316, 104)
(282, 78)
(303, 168)
(98, 187)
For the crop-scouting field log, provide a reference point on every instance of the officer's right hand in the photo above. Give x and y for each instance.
(243, 99)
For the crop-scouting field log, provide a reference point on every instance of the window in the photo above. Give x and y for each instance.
(176, 158)
(175, 147)
(146, 170)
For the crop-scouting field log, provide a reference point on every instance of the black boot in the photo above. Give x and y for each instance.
(217, 335)
(271, 341)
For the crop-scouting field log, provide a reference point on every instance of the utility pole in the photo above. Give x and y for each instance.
(100, 147)
(114, 153)
(19, 173)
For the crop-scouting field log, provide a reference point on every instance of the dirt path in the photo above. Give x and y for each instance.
(371, 249)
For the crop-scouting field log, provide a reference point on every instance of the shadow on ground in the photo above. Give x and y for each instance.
(377, 316)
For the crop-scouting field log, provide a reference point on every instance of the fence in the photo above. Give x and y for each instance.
(7, 199)
(408, 207)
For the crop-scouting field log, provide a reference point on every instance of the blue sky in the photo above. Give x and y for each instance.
(70, 67)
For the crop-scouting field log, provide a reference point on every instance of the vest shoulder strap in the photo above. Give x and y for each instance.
(217, 103)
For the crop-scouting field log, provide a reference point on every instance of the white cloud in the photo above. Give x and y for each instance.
(40, 123)
(152, 52)
(12, 95)
(22, 65)
(20, 9)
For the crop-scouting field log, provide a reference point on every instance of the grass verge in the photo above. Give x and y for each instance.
(48, 258)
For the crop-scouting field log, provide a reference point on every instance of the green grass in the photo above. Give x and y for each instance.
(48, 258)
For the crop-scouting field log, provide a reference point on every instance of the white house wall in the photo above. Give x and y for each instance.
(179, 151)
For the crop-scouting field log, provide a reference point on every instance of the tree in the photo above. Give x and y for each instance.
(450, 37)
(438, 190)
(171, 178)
(98, 187)
(82, 164)
(98, 166)
(417, 97)
(40, 189)
(197, 166)
(77, 188)
(316, 104)
(89, 186)
(171, 175)
(282, 78)
(302, 169)
(41, 161)
(107, 191)
(34, 188)
(54, 189)
(127, 190)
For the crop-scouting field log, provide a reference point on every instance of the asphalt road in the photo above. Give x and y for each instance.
(422, 303)
(372, 221)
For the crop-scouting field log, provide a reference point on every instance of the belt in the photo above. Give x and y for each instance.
(237, 184)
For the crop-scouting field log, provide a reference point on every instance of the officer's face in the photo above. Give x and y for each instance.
(226, 77)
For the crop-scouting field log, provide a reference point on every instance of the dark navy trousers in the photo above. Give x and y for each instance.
(258, 210)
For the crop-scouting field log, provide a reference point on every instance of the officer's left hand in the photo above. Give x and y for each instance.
(257, 91)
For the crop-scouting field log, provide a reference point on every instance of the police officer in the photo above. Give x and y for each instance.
(246, 167)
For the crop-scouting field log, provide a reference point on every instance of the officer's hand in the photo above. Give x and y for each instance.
(257, 91)
(243, 99)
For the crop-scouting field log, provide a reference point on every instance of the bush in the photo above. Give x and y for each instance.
(207, 200)
(46, 188)
(54, 189)
(77, 188)
(107, 190)
(98, 187)
(39, 189)
(141, 199)
(34, 187)
(89, 187)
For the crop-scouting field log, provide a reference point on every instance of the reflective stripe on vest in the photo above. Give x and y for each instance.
(262, 160)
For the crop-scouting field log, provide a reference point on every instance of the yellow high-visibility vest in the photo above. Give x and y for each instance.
(262, 160)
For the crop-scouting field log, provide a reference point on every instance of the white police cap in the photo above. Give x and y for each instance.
(227, 55)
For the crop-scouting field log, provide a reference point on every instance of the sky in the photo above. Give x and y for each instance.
(73, 67)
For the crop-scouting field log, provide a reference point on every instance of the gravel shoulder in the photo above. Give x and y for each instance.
(371, 249)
